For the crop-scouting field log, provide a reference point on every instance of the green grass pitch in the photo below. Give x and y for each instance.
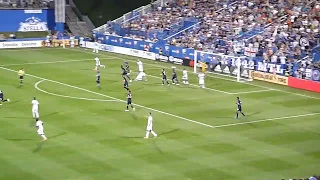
(90, 136)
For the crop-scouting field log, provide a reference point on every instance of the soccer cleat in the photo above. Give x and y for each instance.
(134, 109)
(0, 104)
(8, 100)
(162, 84)
(145, 138)
(130, 80)
(44, 139)
(127, 110)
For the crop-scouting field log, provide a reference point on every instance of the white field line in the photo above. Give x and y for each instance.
(70, 97)
(75, 87)
(162, 112)
(218, 77)
(51, 62)
(249, 92)
(264, 120)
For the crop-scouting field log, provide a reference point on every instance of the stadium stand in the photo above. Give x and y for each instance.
(275, 30)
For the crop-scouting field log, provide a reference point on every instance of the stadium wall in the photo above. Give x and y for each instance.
(17, 20)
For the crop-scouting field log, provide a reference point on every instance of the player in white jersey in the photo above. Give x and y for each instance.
(185, 77)
(72, 41)
(35, 108)
(201, 80)
(149, 127)
(39, 125)
(98, 63)
(142, 74)
(96, 47)
(140, 66)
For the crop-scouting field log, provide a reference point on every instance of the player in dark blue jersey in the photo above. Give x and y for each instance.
(125, 84)
(239, 108)
(125, 73)
(174, 77)
(127, 67)
(164, 77)
(98, 78)
(2, 98)
(129, 101)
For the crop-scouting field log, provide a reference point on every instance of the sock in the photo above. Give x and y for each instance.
(237, 115)
(243, 114)
(162, 81)
(127, 107)
(132, 107)
(147, 134)
(153, 133)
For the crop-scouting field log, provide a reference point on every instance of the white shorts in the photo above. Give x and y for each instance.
(201, 82)
(35, 113)
(40, 132)
(149, 128)
(185, 78)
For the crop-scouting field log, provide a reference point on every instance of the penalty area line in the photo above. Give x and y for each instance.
(266, 120)
(218, 75)
(70, 97)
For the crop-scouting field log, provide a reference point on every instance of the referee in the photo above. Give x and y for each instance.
(21, 74)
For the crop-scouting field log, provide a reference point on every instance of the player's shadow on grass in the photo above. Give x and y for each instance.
(14, 102)
(39, 147)
(156, 147)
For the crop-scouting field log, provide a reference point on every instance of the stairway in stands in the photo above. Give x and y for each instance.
(75, 22)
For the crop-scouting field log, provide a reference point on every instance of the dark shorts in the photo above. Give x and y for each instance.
(20, 77)
(129, 101)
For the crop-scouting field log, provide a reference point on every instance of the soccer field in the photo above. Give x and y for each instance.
(90, 136)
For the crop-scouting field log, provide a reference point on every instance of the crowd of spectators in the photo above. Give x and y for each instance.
(29, 4)
(276, 30)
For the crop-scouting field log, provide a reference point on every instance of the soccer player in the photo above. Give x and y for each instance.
(201, 80)
(185, 77)
(125, 84)
(140, 66)
(98, 63)
(129, 101)
(125, 73)
(21, 74)
(35, 108)
(149, 127)
(164, 77)
(239, 108)
(96, 47)
(127, 67)
(39, 125)
(174, 77)
(98, 77)
(203, 67)
(2, 98)
(141, 76)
